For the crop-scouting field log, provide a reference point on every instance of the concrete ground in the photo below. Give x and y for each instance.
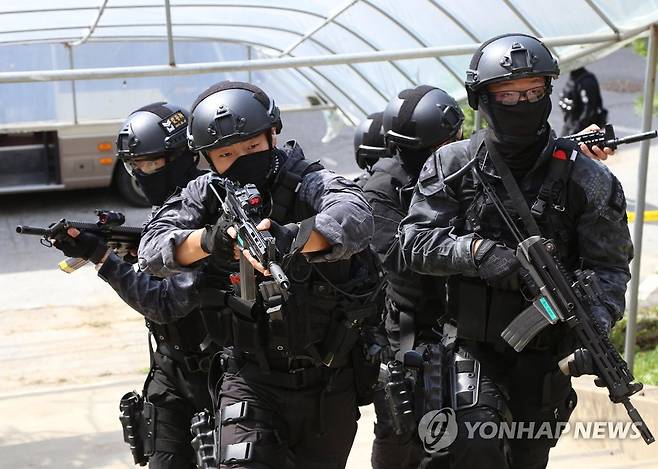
(63, 369)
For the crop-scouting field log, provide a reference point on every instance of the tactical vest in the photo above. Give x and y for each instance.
(483, 311)
(321, 322)
(422, 296)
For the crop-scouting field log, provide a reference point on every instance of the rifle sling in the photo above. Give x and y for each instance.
(514, 193)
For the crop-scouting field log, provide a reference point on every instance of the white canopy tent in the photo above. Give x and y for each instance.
(79, 61)
(353, 55)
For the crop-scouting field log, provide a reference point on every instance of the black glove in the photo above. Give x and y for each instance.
(284, 235)
(85, 246)
(580, 363)
(494, 261)
(216, 241)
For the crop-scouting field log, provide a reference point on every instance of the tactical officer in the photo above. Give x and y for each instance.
(288, 393)
(152, 145)
(369, 145)
(452, 229)
(415, 123)
(581, 102)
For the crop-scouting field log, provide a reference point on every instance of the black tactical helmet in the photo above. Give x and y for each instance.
(422, 118)
(230, 112)
(153, 131)
(369, 144)
(508, 57)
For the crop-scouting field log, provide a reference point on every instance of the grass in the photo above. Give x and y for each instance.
(646, 367)
(646, 356)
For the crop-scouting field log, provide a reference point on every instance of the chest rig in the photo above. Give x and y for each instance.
(482, 310)
(549, 207)
(320, 322)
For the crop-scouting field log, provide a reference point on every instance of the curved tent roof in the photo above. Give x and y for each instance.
(352, 54)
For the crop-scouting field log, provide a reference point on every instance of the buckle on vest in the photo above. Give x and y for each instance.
(195, 364)
(235, 412)
(538, 208)
(237, 452)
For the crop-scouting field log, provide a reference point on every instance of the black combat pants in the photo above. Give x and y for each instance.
(177, 395)
(530, 387)
(265, 424)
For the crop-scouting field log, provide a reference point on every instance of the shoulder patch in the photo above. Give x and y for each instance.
(428, 171)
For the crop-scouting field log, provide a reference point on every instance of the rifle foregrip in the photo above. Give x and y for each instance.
(523, 328)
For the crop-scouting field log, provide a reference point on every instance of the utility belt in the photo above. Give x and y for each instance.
(317, 323)
(293, 379)
(185, 334)
(192, 362)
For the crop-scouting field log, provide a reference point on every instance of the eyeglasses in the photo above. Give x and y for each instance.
(512, 97)
(144, 166)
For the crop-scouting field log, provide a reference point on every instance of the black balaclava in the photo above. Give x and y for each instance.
(177, 172)
(518, 132)
(255, 168)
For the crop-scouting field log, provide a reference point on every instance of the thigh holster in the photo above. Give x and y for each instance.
(138, 421)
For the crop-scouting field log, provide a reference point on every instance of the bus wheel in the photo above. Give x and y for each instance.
(129, 188)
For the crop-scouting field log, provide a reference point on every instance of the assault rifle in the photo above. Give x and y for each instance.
(109, 227)
(560, 296)
(242, 206)
(606, 138)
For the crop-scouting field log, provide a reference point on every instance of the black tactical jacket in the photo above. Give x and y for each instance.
(342, 216)
(444, 219)
(168, 305)
(318, 309)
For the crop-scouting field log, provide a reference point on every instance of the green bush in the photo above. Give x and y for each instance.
(646, 367)
(647, 334)
(640, 47)
(469, 120)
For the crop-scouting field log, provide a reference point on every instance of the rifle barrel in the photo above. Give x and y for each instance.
(636, 137)
(31, 230)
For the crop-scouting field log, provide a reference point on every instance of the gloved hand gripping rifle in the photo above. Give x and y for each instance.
(564, 297)
(109, 227)
(242, 206)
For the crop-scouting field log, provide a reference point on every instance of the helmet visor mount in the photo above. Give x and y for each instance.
(226, 129)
